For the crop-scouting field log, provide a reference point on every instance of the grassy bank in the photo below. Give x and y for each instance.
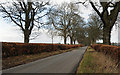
(96, 62)
(23, 59)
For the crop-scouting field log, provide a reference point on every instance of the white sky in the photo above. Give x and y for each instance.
(10, 32)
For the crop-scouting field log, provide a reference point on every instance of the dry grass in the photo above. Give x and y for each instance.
(23, 59)
(105, 64)
(96, 62)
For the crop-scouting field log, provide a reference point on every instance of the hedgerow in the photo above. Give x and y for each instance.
(16, 49)
(113, 51)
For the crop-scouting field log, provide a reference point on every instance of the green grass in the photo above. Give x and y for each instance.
(87, 63)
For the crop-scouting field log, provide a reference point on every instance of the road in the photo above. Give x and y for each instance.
(61, 63)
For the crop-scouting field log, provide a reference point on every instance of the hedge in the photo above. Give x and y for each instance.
(15, 49)
(113, 51)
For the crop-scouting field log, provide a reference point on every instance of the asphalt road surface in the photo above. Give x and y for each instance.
(61, 63)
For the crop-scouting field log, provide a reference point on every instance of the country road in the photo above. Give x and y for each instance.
(61, 63)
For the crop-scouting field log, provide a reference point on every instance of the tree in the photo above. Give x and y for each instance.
(108, 14)
(90, 32)
(77, 23)
(94, 29)
(52, 34)
(60, 20)
(26, 15)
(81, 34)
(107, 18)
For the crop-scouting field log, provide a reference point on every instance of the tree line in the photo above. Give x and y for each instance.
(64, 19)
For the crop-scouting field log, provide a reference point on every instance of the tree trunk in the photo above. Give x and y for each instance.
(106, 35)
(65, 40)
(71, 40)
(26, 36)
(74, 42)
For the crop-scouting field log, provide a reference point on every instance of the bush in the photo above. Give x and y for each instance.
(15, 49)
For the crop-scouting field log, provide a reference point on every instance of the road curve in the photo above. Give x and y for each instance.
(61, 63)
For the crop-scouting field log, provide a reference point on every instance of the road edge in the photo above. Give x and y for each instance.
(76, 68)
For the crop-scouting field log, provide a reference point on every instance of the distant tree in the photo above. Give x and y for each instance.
(26, 15)
(94, 29)
(52, 33)
(87, 33)
(77, 23)
(81, 35)
(60, 20)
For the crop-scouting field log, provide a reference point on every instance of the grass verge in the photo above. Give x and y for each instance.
(96, 62)
(23, 59)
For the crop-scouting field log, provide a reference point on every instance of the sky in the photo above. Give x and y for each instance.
(11, 33)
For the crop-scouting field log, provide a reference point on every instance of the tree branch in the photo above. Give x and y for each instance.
(95, 8)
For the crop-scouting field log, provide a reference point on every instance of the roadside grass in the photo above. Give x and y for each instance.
(23, 59)
(96, 62)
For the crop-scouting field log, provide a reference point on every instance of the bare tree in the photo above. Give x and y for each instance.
(26, 15)
(108, 14)
(63, 19)
(81, 35)
(52, 33)
(75, 20)
(76, 23)
(94, 29)
(88, 33)
(59, 18)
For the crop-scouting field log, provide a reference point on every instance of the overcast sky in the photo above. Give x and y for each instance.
(11, 33)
